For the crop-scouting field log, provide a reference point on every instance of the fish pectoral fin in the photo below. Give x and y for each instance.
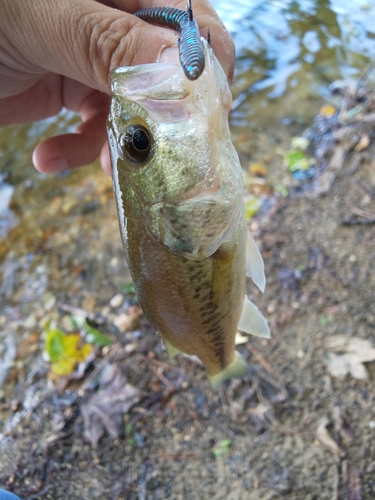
(254, 263)
(237, 368)
(171, 351)
(252, 321)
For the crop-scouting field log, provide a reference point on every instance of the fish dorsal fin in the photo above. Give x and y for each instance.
(254, 263)
(252, 321)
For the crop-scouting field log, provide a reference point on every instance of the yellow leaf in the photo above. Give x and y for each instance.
(252, 206)
(65, 352)
(258, 169)
(63, 367)
(327, 111)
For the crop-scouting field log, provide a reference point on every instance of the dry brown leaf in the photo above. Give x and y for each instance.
(327, 440)
(352, 481)
(103, 412)
(363, 142)
(347, 355)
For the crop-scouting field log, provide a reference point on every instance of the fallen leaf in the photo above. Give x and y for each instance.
(252, 206)
(363, 143)
(352, 481)
(258, 170)
(296, 160)
(65, 351)
(104, 411)
(347, 355)
(327, 440)
(92, 335)
(327, 111)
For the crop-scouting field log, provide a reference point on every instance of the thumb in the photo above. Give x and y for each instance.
(82, 40)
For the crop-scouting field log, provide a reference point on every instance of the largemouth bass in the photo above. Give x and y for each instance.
(179, 192)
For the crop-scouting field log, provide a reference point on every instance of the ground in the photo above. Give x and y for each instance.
(292, 429)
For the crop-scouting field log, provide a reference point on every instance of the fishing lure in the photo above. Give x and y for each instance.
(190, 45)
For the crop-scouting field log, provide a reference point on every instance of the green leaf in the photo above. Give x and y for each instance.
(54, 344)
(282, 190)
(78, 321)
(93, 336)
(323, 320)
(226, 444)
(223, 448)
(128, 288)
(296, 160)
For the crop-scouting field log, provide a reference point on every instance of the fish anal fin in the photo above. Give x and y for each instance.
(171, 351)
(252, 321)
(238, 368)
(254, 263)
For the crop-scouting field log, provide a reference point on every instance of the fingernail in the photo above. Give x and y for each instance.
(169, 55)
(56, 165)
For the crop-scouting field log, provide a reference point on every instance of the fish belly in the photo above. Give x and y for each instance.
(195, 305)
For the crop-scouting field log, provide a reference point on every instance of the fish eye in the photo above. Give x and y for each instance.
(137, 143)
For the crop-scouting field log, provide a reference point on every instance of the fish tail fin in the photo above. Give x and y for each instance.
(238, 368)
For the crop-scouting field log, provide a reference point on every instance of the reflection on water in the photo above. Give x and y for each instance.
(288, 54)
(289, 51)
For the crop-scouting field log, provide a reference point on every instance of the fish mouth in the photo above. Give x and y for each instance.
(194, 228)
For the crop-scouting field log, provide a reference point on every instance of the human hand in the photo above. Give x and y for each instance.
(60, 54)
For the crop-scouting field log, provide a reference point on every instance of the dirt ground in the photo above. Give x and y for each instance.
(291, 430)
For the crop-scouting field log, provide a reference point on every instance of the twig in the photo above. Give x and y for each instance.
(254, 351)
(363, 213)
(157, 372)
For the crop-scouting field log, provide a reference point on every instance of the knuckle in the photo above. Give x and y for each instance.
(109, 45)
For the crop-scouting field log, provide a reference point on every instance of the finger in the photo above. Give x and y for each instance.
(38, 102)
(105, 159)
(81, 148)
(81, 40)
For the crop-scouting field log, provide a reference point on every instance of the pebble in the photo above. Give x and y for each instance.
(66, 323)
(116, 301)
(105, 312)
(114, 262)
(123, 322)
(130, 348)
(30, 322)
(50, 302)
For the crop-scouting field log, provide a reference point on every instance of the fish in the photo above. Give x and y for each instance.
(179, 194)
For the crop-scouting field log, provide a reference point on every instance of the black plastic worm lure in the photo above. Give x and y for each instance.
(190, 45)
